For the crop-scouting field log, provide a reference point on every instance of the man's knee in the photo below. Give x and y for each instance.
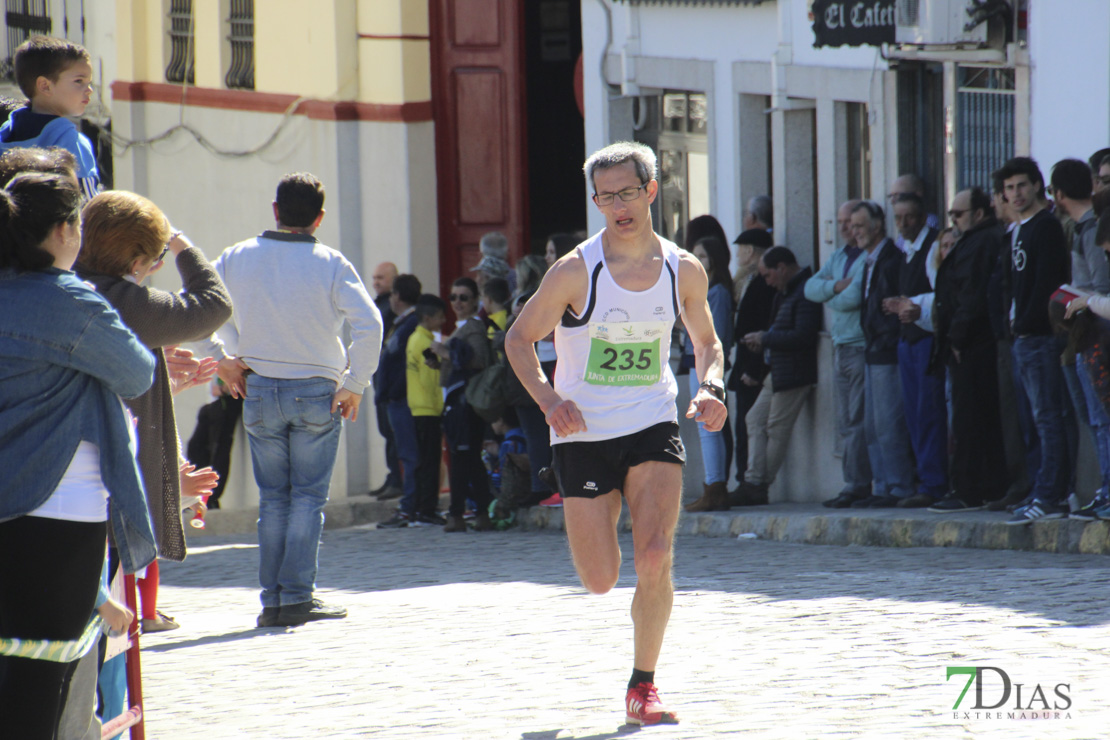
(653, 558)
(599, 579)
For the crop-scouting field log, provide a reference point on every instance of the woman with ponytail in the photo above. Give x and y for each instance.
(65, 448)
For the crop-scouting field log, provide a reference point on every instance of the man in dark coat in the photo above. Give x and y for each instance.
(791, 347)
(964, 342)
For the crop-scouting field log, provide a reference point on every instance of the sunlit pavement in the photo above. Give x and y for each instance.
(489, 635)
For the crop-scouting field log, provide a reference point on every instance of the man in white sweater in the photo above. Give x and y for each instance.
(283, 352)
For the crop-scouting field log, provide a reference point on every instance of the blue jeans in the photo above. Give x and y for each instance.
(1100, 425)
(294, 437)
(408, 452)
(926, 415)
(713, 452)
(849, 382)
(1038, 361)
(888, 439)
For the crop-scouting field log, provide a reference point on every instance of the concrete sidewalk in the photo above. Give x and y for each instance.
(797, 523)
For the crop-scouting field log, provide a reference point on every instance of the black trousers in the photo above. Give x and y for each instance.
(49, 578)
(978, 471)
(429, 447)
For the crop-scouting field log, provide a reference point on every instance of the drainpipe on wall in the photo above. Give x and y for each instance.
(629, 52)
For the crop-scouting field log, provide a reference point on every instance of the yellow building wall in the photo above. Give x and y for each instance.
(371, 51)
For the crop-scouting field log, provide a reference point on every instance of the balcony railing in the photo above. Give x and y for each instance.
(182, 51)
(240, 73)
(24, 18)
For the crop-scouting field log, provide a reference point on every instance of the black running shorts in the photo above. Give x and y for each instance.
(590, 469)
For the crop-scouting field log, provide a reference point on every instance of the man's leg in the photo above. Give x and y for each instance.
(1038, 360)
(313, 444)
(849, 376)
(392, 463)
(757, 436)
(592, 534)
(746, 396)
(785, 407)
(891, 432)
(268, 438)
(654, 491)
(928, 424)
(429, 442)
(404, 435)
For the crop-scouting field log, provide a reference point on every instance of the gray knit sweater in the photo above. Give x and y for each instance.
(160, 319)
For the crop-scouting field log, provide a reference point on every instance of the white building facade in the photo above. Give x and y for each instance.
(740, 102)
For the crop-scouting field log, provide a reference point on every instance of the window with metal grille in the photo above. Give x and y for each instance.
(985, 99)
(25, 18)
(182, 53)
(240, 73)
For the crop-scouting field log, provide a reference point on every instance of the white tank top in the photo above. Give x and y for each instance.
(613, 358)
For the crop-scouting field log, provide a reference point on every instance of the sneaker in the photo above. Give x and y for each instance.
(1103, 513)
(431, 519)
(160, 623)
(268, 617)
(951, 504)
(1038, 511)
(292, 615)
(400, 519)
(1087, 513)
(554, 501)
(642, 707)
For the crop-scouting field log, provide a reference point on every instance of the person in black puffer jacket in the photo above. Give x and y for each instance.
(791, 349)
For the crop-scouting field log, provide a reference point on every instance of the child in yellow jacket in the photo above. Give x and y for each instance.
(425, 397)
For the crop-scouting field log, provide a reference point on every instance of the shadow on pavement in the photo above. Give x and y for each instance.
(621, 731)
(365, 560)
(165, 647)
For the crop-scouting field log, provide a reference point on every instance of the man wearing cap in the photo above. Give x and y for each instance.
(838, 284)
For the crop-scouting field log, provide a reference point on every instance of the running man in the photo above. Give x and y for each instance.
(612, 302)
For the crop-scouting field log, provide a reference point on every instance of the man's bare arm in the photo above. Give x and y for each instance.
(709, 357)
(562, 286)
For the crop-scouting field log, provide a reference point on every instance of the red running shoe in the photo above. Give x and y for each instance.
(643, 707)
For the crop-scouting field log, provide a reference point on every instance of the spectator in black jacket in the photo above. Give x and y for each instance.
(382, 283)
(888, 439)
(391, 387)
(791, 343)
(1039, 264)
(964, 343)
(754, 301)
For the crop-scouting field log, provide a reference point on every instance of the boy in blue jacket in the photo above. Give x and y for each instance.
(56, 77)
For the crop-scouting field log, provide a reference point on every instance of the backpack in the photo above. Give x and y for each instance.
(516, 484)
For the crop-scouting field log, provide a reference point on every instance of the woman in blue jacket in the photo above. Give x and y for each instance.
(69, 466)
(714, 257)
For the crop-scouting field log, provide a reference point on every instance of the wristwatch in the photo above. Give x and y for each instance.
(714, 386)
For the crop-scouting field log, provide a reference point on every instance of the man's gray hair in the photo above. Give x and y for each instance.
(874, 212)
(617, 154)
(494, 244)
(762, 209)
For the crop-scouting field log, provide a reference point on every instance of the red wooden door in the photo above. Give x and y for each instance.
(478, 81)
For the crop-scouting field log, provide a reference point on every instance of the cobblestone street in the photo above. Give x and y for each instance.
(491, 636)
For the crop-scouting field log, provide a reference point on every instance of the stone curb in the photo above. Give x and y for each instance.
(798, 523)
(816, 525)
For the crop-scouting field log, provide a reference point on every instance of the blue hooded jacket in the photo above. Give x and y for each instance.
(28, 128)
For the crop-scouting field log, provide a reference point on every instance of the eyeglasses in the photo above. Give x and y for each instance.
(628, 194)
(954, 214)
(166, 248)
(460, 297)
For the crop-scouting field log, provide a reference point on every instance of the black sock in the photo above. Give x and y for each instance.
(639, 677)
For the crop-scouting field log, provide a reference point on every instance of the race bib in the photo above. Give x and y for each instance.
(626, 353)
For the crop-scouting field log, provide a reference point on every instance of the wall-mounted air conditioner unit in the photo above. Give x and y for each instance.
(941, 22)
